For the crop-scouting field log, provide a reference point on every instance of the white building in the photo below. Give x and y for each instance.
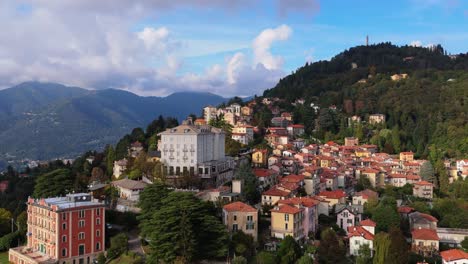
(209, 112)
(347, 217)
(119, 167)
(360, 235)
(129, 189)
(197, 150)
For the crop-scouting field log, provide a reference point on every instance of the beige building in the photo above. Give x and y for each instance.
(423, 189)
(119, 168)
(407, 156)
(286, 220)
(241, 216)
(424, 241)
(376, 119)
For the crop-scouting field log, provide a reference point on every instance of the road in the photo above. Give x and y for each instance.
(134, 243)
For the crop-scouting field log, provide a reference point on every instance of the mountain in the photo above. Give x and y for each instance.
(426, 112)
(48, 120)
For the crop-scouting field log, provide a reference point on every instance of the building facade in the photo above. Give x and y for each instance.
(196, 151)
(62, 230)
(240, 216)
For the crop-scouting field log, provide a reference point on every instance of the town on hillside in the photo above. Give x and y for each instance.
(244, 183)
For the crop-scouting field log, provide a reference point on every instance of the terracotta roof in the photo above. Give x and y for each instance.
(366, 194)
(336, 194)
(304, 201)
(293, 178)
(423, 183)
(296, 126)
(239, 207)
(424, 234)
(405, 209)
(287, 209)
(407, 153)
(369, 170)
(368, 222)
(453, 254)
(263, 172)
(275, 192)
(429, 217)
(360, 231)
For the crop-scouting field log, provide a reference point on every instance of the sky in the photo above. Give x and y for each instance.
(227, 47)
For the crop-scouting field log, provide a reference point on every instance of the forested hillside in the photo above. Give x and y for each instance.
(426, 112)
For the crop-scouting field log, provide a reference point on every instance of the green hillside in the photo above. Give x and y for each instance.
(425, 113)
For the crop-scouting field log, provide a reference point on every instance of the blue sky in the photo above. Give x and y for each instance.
(235, 47)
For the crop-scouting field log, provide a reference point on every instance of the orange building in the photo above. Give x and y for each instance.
(62, 230)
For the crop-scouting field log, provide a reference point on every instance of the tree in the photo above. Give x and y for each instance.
(381, 247)
(331, 249)
(250, 182)
(185, 229)
(427, 172)
(22, 221)
(442, 176)
(398, 250)
(118, 246)
(306, 259)
(265, 257)
(239, 260)
(55, 183)
(101, 259)
(150, 201)
(386, 216)
(5, 220)
(396, 142)
(110, 158)
(289, 250)
(364, 255)
(243, 245)
(97, 174)
(464, 244)
(363, 183)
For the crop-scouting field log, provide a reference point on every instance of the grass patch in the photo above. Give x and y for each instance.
(4, 257)
(129, 258)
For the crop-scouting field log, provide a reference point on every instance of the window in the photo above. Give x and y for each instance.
(64, 226)
(81, 214)
(81, 223)
(64, 216)
(98, 211)
(249, 218)
(98, 221)
(98, 246)
(235, 217)
(286, 226)
(234, 227)
(81, 236)
(81, 250)
(98, 233)
(64, 238)
(64, 252)
(350, 221)
(286, 217)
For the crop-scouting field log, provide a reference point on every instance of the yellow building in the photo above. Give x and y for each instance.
(370, 174)
(241, 216)
(260, 157)
(407, 156)
(286, 220)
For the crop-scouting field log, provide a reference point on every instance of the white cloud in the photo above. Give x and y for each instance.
(90, 44)
(262, 45)
(416, 43)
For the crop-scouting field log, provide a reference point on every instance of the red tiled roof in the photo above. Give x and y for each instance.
(263, 172)
(369, 170)
(296, 126)
(366, 194)
(368, 222)
(293, 178)
(287, 209)
(359, 231)
(423, 183)
(239, 207)
(336, 194)
(453, 254)
(275, 192)
(405, 209)
(428, 217)
(305, 201)
(424, 234)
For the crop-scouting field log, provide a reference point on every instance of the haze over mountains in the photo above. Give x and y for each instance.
(49, 120)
